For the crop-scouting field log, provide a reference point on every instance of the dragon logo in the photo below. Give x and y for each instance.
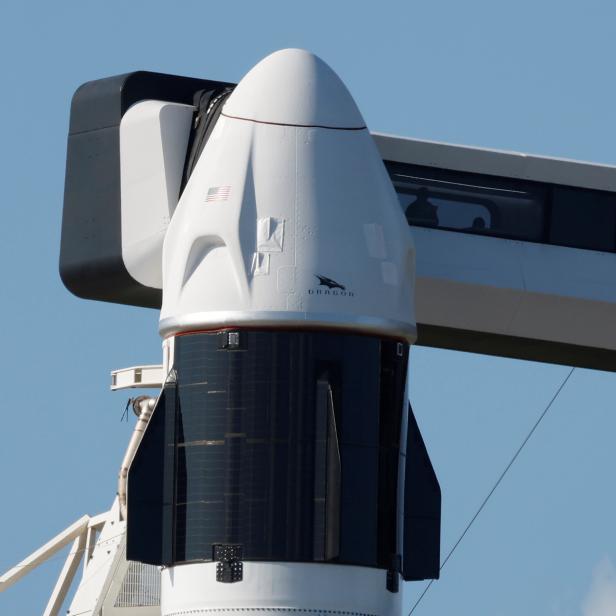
(324, 281)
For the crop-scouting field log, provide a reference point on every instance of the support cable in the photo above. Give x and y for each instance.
(495, 486)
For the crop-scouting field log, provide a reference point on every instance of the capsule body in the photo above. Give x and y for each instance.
(271, 476)
(289, 218)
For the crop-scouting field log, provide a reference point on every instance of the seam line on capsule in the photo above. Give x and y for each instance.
(297, 125)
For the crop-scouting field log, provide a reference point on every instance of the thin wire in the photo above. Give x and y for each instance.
(495, 486)
(125, 413)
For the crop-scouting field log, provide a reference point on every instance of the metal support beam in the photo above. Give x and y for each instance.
(43, 553)
(66, 576)
(90, 542)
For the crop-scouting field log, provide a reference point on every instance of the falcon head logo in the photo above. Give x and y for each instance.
(329, 283)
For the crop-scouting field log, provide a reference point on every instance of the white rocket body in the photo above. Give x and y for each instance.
(281, 469)
(279, 589)
(289, 218)
(288, 221)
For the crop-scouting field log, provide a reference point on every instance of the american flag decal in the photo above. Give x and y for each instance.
(218, 193)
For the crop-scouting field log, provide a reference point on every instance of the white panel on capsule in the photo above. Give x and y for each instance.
(290, 217)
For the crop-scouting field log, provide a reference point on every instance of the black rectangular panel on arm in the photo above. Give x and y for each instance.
(91, 264)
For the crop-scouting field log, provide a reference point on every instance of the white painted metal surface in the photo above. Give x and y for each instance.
(473, 283)
(100, 541)
(66, 576)
(139, 593)
(138, 377)
(286, 225)
(153, 142)
(279, 589)
(83, 533)
(105, 569)
(43, 553)
(507, 287)
(515, 288)
(502, 163)
(295, 88)
(146, 407)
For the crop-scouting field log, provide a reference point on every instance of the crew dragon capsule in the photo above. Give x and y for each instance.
(282, 469)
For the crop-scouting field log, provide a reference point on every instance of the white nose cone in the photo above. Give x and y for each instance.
(289, 218)
(296, 88)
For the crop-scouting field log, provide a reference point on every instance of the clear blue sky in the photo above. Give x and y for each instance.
(529, 75)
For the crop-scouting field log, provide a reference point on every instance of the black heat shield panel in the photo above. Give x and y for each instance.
(285, 443)
(422, 510)
(91, 264)
(146, 491)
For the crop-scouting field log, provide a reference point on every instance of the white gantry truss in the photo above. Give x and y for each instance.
(109, 584)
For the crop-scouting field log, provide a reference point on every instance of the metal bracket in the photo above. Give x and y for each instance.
(229, 565)
(229, 341)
